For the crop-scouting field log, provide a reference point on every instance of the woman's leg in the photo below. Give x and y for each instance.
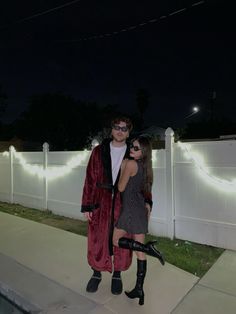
(137, 246)
(138, 292)
(117, 234)
(140, 238)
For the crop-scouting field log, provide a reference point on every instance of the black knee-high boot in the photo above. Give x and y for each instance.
(138, 292)
(147, 248)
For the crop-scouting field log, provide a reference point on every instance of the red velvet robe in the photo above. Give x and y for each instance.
(97, 197)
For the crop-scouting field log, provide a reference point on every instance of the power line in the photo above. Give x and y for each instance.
(31, 17)
(130, 28)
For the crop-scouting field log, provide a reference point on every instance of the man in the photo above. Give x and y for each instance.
(101, 206)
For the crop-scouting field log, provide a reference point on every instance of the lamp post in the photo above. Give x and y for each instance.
(195, 110)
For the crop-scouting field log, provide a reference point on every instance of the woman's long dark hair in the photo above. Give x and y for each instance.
(146, 147)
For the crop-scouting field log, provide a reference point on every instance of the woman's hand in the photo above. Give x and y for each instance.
(123, 165)
(148, 208)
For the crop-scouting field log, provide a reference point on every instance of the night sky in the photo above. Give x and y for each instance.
(101, 51)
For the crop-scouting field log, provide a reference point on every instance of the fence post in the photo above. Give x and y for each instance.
(169, 183)
(45, 179)
(11, 160)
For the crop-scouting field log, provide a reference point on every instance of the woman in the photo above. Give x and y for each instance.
(135, 182)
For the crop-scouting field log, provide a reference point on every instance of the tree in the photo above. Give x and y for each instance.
(63, 122)
(59, 120)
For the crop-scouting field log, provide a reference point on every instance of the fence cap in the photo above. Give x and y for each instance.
(169, 132)
(45, 146)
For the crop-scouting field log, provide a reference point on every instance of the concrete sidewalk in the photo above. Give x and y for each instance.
(45, 270)
(215, 293)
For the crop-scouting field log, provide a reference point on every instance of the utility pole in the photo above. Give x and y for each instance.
(212, 106)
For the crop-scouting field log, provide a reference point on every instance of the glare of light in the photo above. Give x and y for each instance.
(154, 158)
(94, 143)
(195, 109)
(5, 154)
(203, 171)
(51, 172)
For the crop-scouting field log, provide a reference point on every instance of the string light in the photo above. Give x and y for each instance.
(51, 172)
(154, 159)
(60, 171)
(197, 159)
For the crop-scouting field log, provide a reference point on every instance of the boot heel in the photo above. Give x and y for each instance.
(161, 258)
(152, 251)
(141, 300)
(151, 242)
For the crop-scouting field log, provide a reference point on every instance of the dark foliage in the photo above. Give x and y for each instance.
(66, 124)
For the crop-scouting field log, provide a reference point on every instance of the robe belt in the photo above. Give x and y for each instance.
(106, 186)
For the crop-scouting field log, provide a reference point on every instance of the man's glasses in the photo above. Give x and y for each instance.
(135, 148)
(120, 128)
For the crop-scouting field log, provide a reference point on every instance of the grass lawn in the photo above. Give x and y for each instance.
(192, 257)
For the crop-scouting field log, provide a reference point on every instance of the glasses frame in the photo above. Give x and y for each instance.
(136, 148)
(120, 128)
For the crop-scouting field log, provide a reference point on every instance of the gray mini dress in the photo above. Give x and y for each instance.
(133, 218)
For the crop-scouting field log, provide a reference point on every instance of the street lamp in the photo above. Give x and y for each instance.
(195, 110)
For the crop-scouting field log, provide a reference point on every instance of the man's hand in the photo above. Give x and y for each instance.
(88, 215)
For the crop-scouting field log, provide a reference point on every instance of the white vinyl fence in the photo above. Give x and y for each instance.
(194, 191)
